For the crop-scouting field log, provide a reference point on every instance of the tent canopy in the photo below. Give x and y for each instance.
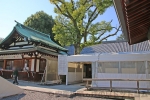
(82, 58)
(141, 56)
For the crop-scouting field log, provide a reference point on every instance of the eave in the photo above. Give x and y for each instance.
(121, 18)
(134, 17)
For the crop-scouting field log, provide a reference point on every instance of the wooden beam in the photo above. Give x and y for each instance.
(140, 26)
(135, 4)
(139, 15)
(4, 65)
(138, 11)
(21, 45)
(136, 22)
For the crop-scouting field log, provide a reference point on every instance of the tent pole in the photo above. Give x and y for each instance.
(67, 75)
(82, 71)
(119, 70)
(146, 72)
(67, 79)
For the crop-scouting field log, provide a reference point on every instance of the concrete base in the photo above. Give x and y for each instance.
(48, 90)
(115, 95)
(8, 89)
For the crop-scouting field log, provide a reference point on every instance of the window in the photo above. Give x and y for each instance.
(42, 65)
(9, 64)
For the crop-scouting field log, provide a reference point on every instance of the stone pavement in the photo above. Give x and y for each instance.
(34, 95)
(79, 90)
(48, 90)
(117, 95)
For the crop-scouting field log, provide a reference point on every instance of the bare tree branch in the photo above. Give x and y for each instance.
(61, 10)
(110, 35)
(104, 30)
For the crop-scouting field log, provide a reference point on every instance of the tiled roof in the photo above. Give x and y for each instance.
(117, 46)
(24, 50)
(33, 35)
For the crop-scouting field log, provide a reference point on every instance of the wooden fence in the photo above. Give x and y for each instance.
(111, 81)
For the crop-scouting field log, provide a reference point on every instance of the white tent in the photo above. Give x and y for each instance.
(8, 89)
(117, 65)
(83, 58)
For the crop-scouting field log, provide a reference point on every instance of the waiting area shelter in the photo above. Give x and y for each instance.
(114, 66)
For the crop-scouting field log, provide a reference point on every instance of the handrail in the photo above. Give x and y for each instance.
(111, 80)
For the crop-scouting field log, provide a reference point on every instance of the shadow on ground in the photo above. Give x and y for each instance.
(15, 97)
(71, 88)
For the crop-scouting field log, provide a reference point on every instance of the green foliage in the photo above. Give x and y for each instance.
(121, 37)
(75, 22)
(42, 22)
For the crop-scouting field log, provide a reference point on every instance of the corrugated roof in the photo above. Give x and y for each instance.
(24, 50)
(71, 49)
(117, 46)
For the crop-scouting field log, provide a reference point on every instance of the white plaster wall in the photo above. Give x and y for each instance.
(78, 76)
(32, 65)
(71, 77)
(74, 77)
(37, 65)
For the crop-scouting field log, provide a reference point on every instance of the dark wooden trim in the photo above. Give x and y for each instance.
(20, 45)
(23, 62)
(35, 64)
(4, 65)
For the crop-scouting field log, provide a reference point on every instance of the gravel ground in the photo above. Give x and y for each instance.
(32, 95)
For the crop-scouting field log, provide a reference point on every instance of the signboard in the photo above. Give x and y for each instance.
(62, 65)
(11, 57)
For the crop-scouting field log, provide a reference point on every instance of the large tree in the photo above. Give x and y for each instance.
(74, 23)
(42, 22)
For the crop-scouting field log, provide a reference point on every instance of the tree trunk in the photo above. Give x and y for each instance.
(77, 48)
(85, 37)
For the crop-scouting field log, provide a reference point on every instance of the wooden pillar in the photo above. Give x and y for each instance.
(35, 64)
(4, 65)
(23, 63)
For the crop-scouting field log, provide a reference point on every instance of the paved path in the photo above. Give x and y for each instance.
(69, 91)
(48, 90)
(33, 95)
(71, 88)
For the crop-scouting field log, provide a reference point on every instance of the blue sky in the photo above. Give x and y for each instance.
(19, 10)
